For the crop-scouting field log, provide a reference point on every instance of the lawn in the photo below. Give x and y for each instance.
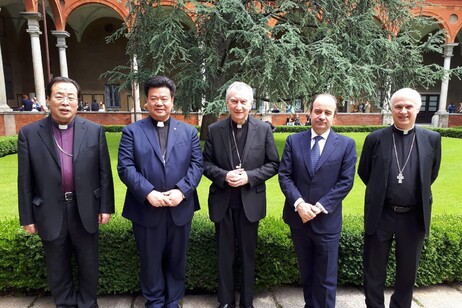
(446, 189)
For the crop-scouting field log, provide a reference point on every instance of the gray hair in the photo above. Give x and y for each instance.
(238, 86)
(407, 94)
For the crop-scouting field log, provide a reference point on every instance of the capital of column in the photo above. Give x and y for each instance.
(61, 38)
(448, 48)
(33, 19)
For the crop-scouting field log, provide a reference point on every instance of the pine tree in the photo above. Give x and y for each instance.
(285, 49)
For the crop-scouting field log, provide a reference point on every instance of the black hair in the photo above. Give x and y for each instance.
(61, 79)
(160, 82)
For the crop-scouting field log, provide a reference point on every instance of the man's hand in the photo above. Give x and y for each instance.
(31, 229)
(173, 197)
(156, 199)
(237, 177)
(103, 218)
(307, 211)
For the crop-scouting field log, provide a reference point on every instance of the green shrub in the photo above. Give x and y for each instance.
(8, 145)
(23, 269)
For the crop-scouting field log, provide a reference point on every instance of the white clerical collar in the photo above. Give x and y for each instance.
(404, 131)
(62, 127)
(160, 124)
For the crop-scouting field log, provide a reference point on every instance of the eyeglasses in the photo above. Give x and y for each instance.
(163, 100)
(60, 98)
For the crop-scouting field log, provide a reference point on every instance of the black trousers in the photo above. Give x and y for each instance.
(235, 229)
(162, 252)
(58, 254)
(407, 231)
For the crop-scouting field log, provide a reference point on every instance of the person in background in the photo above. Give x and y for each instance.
(398, 165)
(239, 156)
(27, 104)
(451, 108)
(102, 107)
(316, 173)
(94, 106)
(65, 191)
(160, 162)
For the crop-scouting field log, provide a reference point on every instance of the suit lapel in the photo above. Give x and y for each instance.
(225, 138)
(172, 135)
(80, 130)
(386, 146)
(152, 136)
(329, 148)
(423, 147)
(251, 133)
(305, 149)
(46, 135)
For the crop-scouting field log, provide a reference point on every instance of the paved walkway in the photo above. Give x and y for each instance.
(441, 296)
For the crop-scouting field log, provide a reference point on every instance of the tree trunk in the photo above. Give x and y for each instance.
(206, 121)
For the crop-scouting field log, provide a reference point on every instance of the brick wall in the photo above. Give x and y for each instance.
(124, 118)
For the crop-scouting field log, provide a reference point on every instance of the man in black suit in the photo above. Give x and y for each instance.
(316, 173)
(160, 161)
(398, 165)
(65, 191)
(239, 156)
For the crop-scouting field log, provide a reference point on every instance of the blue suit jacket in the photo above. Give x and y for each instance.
(142, 170)
(330, 183)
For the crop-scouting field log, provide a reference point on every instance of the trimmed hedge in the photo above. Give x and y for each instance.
(8, 145)
(23, 269)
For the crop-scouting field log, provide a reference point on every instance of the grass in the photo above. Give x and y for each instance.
(446, 189)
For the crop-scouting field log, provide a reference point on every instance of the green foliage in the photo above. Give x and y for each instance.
(284, 49)
(8, 145)
(23, 270)
(113, 128)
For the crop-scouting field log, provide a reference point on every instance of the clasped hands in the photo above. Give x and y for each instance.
(307, 211)
(237, 177)
(172, 197)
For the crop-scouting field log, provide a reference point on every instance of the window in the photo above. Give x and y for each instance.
(111, 96)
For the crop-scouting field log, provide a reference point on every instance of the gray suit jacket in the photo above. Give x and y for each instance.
(374, 166)
(260, 160)
(40, 192)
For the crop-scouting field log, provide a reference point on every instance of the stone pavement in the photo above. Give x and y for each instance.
(440, 296)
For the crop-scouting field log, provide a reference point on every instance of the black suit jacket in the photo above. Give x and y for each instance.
(40, 192)
(260, 160)
(374, 166)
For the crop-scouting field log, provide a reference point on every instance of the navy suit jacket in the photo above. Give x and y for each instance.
(374, 166)
(40, 192)
(260, 160)
(329, 185)
(141, 169)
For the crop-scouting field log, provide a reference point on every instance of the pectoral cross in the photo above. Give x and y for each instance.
(238, 166)
(400, 178)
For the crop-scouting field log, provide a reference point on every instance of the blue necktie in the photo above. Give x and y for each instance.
(315, 153)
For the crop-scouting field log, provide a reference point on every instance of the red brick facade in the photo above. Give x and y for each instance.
(124, 118)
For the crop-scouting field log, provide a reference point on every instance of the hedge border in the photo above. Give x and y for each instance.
(23, 269)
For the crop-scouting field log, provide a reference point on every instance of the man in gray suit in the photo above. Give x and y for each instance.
(398, 165)
(239, 156)
(65, 191)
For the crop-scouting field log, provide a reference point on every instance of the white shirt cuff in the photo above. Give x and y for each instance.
(319, 206)
(299, 200)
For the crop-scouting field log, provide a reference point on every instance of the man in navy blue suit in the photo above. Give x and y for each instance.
(316, 173)
(160, 161)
